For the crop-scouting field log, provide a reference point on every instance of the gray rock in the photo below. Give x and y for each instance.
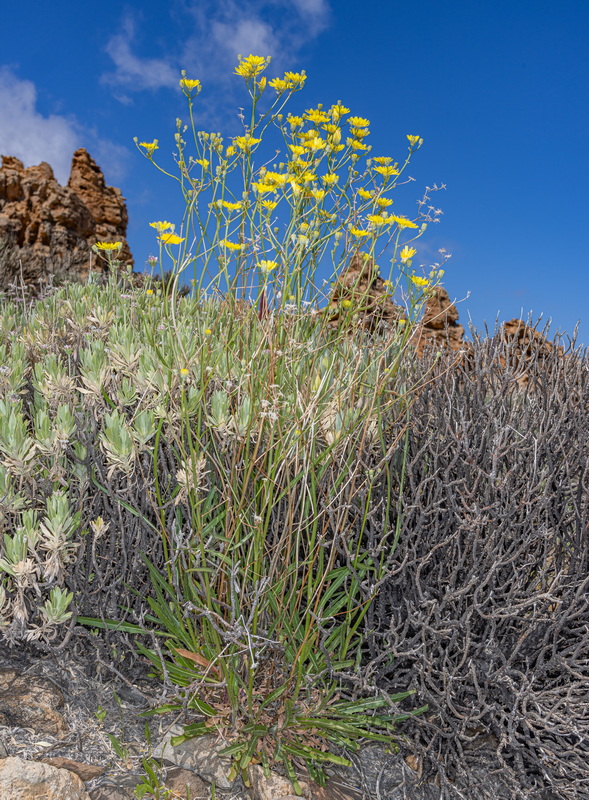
(201, 755)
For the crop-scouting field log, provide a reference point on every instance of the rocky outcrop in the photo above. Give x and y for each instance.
(439, 327)
(360, 290)
(48, 230)
(524, 351)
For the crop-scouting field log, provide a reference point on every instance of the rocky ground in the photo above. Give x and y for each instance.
(67, 736)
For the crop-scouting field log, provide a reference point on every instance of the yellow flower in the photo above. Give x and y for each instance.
(149, 291)
(280, 85)
(203, 162)
(318, 194)
(387, 284)
(188, 85)
(267, 266)
(269, 204)
(251, 66)
(184, 372)
(262, 188)
(387, 172)
(358, 231)
(316, 143)
(262, 84)
(273, 178)
(170, 238)
(377, 220)
(208, 331)
(403, 222)
(413, 140)
(231, 245)
(230, 206)
(296, 78)
(359, 122)
(346, 303)
(419, 281)
(245, 142)
(364, 194)
(109, 245)
(337, 111)
(230, 151)
(297, 149)
(407, 253)
(382, 160)
(359, 133)
(150, 147)
(161, 226)
(330, 179)
(295, 122)
(316, 116)
(384, 202)
(355, 145)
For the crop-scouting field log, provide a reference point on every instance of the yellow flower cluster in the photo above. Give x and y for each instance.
(251, 66)
(266, 266)
(403, 222)
(228, 205)
(170, 238)
(245, 143)
(109, 246)
(387, 171)
(231, 245)
(188, 86)
(150, 147)
(291, 81)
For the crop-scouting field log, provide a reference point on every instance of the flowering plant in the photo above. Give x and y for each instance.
(265, 228)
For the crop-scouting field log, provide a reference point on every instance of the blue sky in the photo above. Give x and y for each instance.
(497, 90)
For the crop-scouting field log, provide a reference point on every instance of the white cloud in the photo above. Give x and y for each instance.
(245, 37)
(32, 137)
(26, 134)
(316, 13)
(134, 72)
(215, 33)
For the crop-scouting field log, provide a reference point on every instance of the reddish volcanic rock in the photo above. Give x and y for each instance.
(526, 349)
(48, 230)
(361, 285)
(439, 326)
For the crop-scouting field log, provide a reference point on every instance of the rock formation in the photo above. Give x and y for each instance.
(439, 326)
(368, 297)
(48, 230)
(361, 285)
(524, 350)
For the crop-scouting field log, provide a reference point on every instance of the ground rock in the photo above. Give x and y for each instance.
(31, 702)
(48, 230)
(199, 755)
(184, 784)
(33, 780)
(86, 772)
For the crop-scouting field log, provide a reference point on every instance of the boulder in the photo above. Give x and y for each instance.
(31, 780)
(47, 230)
